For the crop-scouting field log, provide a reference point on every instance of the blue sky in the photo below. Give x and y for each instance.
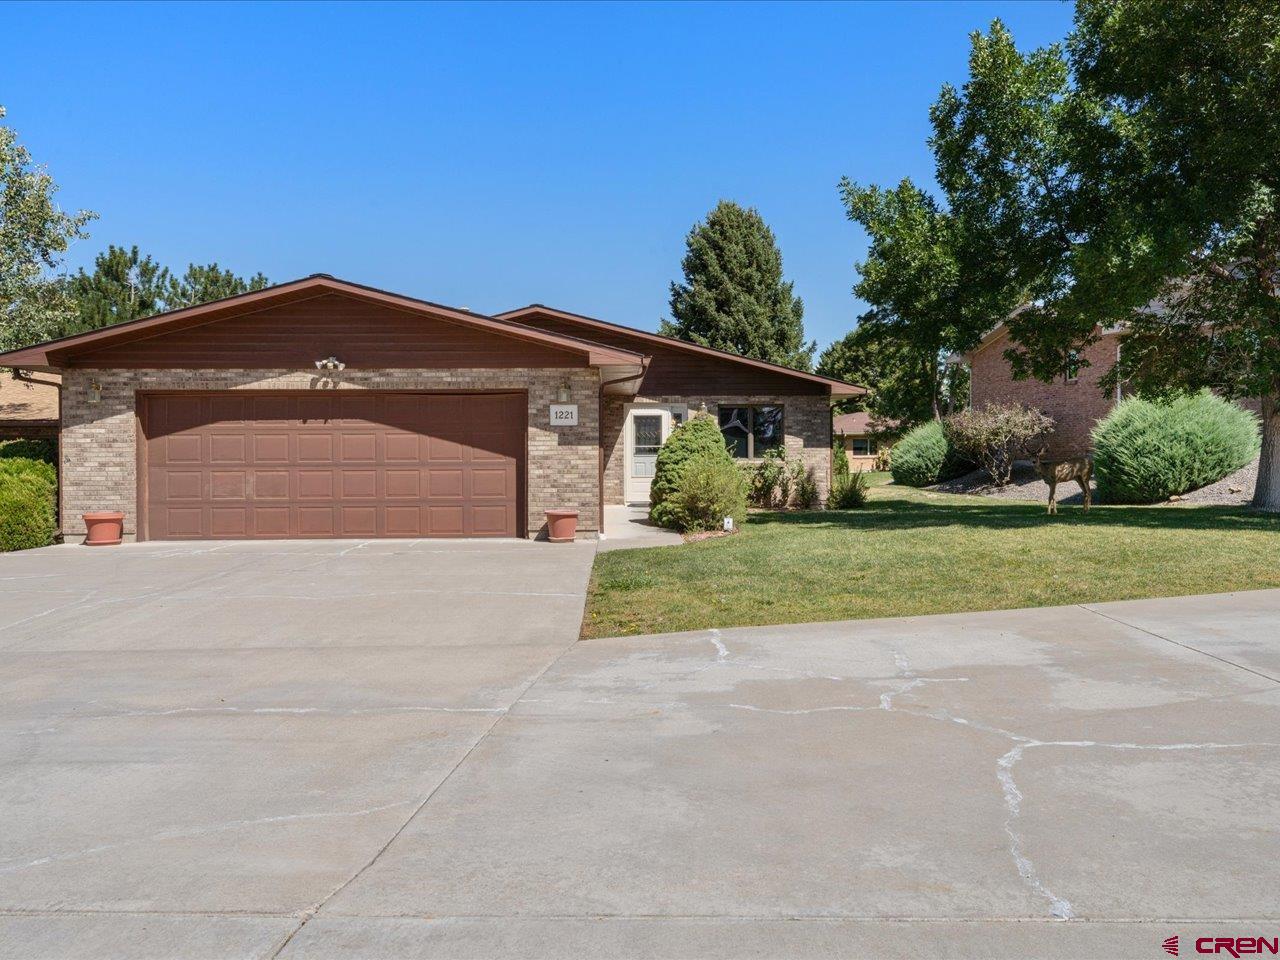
(487, 155)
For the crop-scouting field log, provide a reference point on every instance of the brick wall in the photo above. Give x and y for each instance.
(806, 424)
(1075, 407)
(99, 442)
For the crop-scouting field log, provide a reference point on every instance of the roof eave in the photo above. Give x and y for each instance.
(53, 355)
(836, 388)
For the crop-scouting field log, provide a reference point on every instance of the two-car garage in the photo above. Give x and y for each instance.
(365, 464)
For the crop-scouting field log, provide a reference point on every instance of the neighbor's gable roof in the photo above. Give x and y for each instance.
(54, 353)
(838, 388)
(27, 402)
(860, 422)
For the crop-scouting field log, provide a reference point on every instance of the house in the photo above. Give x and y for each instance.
(1075, 401)
(28, 410)
(323, 408)
(861, 441)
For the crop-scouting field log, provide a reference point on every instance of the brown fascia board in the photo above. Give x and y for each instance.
(838, 388)
(53, 354)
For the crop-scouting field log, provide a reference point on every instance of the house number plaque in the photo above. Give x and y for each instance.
(564, 414)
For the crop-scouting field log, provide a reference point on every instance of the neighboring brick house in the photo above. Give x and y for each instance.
(28, 410)
(1074, 403)
(322, 408)
(862, 442)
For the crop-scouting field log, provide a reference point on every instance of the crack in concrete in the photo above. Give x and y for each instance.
(9, 866)
(1060, 908)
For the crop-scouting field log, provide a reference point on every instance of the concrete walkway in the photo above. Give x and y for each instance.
(396, 751)
(626, 528)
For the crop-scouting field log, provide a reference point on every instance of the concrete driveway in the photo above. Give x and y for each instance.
(395, 750)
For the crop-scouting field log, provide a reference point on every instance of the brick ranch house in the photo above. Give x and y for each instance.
(1075, 403)
(322, 408)
(862, 443)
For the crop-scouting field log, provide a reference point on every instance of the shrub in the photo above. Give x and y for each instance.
(806, 495)
(839, 460)
(40, 470)
(27, 490)
(711, 488)
(1146, 451)
(770, 481)
(699, 436)
(46, 450)
(924, 456)
(996, 435)
(849, 493)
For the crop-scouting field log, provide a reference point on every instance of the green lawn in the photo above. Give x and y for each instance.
(915, 552)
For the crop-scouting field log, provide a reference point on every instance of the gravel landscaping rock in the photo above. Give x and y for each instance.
(1233, 490)
(1026, 485)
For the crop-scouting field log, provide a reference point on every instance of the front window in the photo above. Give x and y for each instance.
(750, 432)
(860, 447)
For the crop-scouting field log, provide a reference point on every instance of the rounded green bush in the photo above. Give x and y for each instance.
(711, 488)
(699, 436)
(925, 456)
(27, 491)
(1146, 451)
(26, 513)
(39, 470)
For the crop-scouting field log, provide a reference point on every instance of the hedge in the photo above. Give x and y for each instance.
(27, 491)
(1146, 451)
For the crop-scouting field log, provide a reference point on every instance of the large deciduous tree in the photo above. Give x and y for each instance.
(1187, 95)
(911, 277)
(34, 235)
(734, 296)
(1130, 179)
(904, 390)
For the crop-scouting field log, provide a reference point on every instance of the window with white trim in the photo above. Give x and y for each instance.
(751, 431)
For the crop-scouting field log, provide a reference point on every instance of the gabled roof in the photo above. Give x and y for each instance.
(49, 355)
(838, 388)
(860, 422)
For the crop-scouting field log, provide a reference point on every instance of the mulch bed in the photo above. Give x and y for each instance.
(708, 535)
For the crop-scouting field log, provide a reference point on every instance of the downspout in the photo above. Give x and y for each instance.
(644, 370)
(25, 377)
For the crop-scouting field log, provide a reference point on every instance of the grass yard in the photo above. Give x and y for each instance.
(913, 552)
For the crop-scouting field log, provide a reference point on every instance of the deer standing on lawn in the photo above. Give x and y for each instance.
(1054, 472)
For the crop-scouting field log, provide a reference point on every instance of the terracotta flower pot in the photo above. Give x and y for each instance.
(562, 525)
(103, 529)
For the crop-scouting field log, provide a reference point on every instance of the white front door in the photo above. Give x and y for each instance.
(646, 428)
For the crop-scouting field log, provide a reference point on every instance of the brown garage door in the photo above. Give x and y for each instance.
(339, 464)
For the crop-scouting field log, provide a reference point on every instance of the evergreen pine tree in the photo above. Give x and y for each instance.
(733, 296)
